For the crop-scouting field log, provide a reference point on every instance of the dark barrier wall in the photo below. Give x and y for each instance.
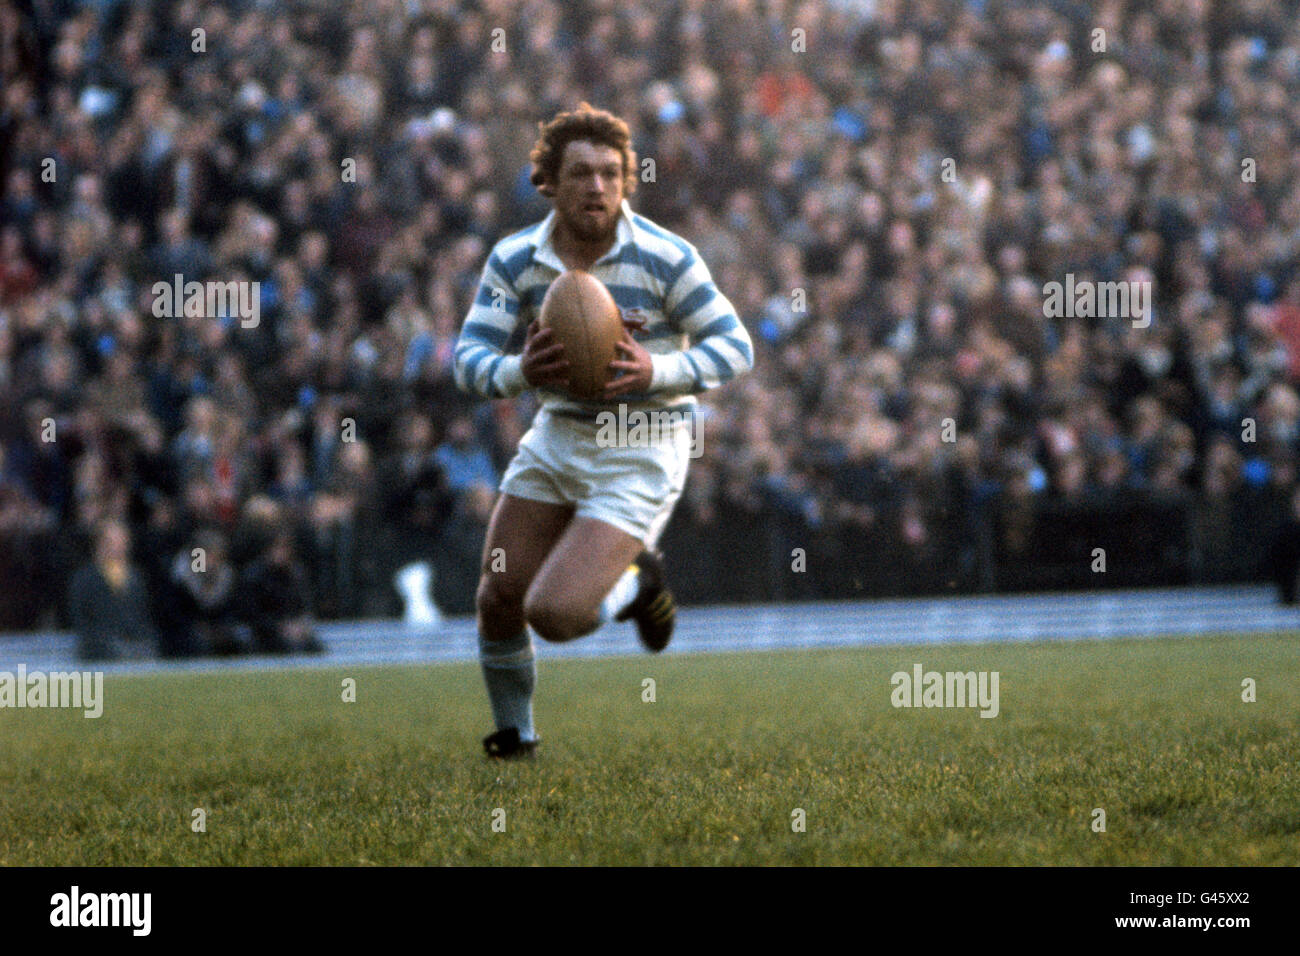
(758, 550)
(1042, 544)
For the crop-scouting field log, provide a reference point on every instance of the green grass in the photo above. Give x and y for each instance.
(1152, 731)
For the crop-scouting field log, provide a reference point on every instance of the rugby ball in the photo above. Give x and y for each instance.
(583, 315)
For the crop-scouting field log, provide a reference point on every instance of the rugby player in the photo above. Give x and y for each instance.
(571, 541)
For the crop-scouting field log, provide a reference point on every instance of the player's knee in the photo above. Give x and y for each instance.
(557, 622)
(497, 599)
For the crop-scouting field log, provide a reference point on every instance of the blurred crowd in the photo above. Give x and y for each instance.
(882, 187)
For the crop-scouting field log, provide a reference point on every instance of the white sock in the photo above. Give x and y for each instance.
(510, 672)
(620, 595)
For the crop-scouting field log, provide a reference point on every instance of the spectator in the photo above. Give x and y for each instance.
(110, 607)
(463, 461)
(275, 599)
(202, 604)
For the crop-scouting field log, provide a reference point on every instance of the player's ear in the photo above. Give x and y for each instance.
(544, 183)
(629, 174)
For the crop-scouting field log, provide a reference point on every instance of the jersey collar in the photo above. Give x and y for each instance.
(623, 235)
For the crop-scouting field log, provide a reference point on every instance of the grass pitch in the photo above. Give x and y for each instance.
(1154, 732)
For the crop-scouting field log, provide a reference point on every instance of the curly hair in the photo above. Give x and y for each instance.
(585, 123)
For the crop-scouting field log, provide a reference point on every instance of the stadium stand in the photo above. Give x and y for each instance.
(357, 160)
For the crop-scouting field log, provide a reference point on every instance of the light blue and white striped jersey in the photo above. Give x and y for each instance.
(694, 338)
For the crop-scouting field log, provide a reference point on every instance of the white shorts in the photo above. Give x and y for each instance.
(632, 487)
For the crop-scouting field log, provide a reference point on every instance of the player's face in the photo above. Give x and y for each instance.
(590, 190)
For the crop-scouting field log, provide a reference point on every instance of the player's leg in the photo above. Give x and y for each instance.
(604, 566)
(520, 534)
(641, 501)
(647, 601)
(591, 557)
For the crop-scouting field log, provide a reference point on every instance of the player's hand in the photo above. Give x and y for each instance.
(632, 365)
(543, 363)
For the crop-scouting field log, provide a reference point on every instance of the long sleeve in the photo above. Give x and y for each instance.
(720, 347)
(481, 365)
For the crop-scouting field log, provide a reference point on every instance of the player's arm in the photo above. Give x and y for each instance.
(480, 363)
(720, 347)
